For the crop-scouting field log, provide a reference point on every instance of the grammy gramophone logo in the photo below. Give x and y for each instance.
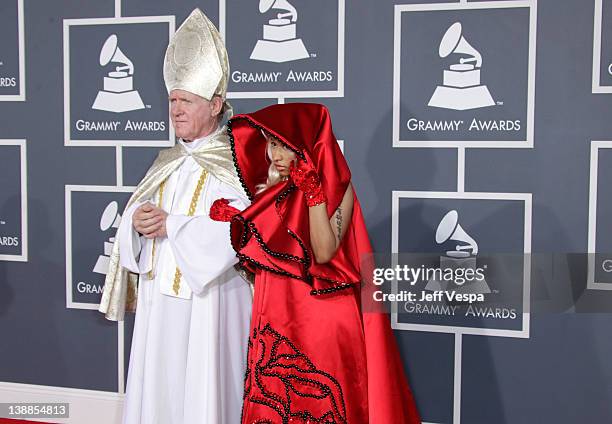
(118, 94)
(110, 219)
(461, 89)
(280, 42)
(462, 257)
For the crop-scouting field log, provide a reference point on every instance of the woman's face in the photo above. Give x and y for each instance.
(281, 156)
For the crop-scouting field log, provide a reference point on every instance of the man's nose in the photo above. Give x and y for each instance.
(176, 110)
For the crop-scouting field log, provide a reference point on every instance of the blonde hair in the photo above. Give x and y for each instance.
(274, 177)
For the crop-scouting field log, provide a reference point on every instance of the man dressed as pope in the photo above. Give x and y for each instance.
(170, 258)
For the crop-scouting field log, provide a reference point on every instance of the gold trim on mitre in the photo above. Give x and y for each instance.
(196, 59)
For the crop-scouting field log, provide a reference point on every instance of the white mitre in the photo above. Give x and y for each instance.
(196, 59)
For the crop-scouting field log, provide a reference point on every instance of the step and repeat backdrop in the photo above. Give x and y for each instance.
(471, 128)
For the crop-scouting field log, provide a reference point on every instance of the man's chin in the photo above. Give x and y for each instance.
(182, 135)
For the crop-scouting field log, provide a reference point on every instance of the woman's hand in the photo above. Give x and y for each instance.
(222, 211)
(307, 180)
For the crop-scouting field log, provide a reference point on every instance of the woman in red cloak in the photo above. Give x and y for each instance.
(315, 354)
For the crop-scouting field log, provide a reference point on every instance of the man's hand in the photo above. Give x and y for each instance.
(150, 221)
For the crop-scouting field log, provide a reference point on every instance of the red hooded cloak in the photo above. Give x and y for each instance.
(315, 353)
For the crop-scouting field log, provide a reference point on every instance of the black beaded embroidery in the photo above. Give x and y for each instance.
(324, 389)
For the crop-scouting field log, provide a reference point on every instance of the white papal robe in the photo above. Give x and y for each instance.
(188, 356)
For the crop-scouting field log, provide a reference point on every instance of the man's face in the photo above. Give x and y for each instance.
(192, 115)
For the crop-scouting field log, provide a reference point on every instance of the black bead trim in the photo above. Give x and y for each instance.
(308, 278)
(264, 246)
(230, 123)
(267, 268)
(238, 171)
(282, 196)
(246, 233)
(250, 229)
(332, 289)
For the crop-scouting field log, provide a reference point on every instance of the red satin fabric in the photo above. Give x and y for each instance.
(315, 354)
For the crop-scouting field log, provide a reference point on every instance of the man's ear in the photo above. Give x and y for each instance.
(217, 105)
